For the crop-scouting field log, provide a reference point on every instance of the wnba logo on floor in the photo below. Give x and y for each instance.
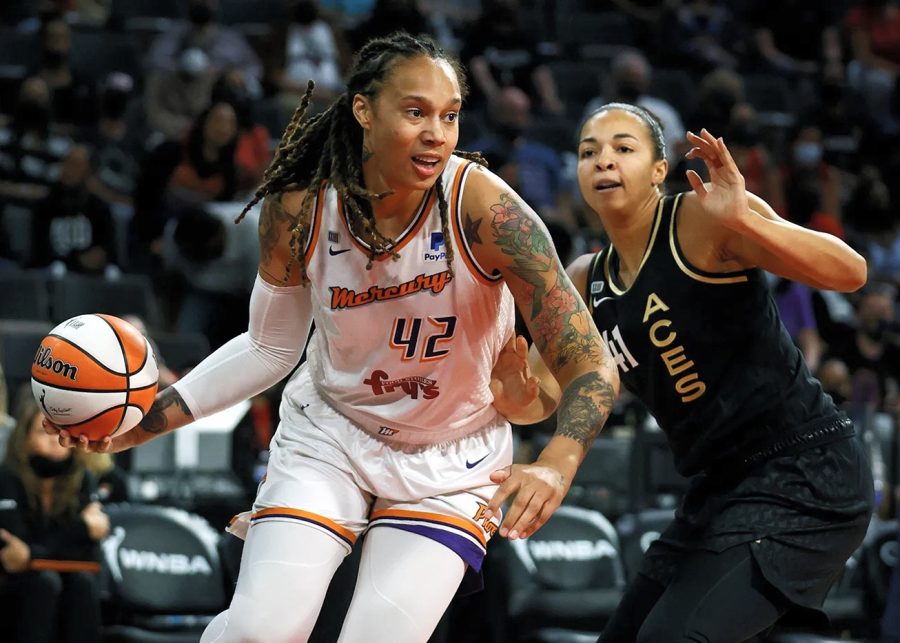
(437, 251)
(44, 359)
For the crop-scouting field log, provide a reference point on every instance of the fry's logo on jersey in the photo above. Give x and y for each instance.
(410, 385)
(346, 298)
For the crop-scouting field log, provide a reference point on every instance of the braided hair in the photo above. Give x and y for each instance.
(328, 146)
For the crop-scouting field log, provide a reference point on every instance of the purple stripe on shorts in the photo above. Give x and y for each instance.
(471, 553)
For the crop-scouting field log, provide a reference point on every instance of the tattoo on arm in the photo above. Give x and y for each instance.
(156, 421)
(470, 230)
(560, 323)
(272, 221)
(584, 407)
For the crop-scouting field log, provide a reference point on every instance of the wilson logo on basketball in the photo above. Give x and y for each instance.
(44, 359)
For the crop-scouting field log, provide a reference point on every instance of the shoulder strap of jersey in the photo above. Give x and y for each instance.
(315, 223)
(596, 279)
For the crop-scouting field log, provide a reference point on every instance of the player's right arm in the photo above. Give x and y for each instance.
(280, 319)
(525, 389)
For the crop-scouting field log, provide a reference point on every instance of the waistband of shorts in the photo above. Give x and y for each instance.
(837, 428)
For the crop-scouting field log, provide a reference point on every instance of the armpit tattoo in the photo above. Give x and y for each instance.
(155, 421)
(584, 407)
(560, 323)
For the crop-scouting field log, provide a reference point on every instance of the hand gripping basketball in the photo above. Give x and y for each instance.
(94, 376)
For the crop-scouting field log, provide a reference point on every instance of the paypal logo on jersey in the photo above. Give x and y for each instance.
(437, 251)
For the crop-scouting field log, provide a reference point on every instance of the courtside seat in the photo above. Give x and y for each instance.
(162, 576)
(567, 577)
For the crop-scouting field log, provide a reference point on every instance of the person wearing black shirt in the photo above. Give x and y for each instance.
(50, 527)
(781, 492)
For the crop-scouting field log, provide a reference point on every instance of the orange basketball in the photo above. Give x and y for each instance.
(94, 375)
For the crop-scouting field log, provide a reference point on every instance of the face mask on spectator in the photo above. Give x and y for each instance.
(875, 329)
(807, 154)
(45, 467)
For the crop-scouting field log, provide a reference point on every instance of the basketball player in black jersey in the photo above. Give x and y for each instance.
(781, 492)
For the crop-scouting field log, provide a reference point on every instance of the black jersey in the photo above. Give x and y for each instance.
(705, 352)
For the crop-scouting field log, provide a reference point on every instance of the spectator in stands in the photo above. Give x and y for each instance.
(874, 28)
(112, 481)
(177, 176)
(630, 80)
(174, 98)
(701, 34)
(117, 145)
(73, 227)
(531, 168)
(835, 378)
(795, 306)
(223, 46)
(253, 149)
(388, 16)
(501, 52)
(309, 51)
(71, 96)
(871, 215)
(777, 28)
(31, 149)
(720, 92)
(50, 525)
(871, 349)
(761, 173)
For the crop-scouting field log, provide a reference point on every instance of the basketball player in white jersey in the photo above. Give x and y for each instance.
(408, 258)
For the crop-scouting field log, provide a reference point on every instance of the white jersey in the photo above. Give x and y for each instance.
(404, 350)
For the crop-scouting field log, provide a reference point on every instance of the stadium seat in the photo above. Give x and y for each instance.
(162, 575)
(567, 577)
(26, 296)
(180, 351)
(19, 341)
(636, 532)
(126, 295)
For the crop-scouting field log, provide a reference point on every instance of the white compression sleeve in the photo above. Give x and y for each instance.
(280, 319)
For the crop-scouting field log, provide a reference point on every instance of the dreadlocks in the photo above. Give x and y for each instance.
(328, 146)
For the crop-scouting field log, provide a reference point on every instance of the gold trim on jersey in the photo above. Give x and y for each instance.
(725, 278)
(315, 224)
(468, 256)
(612, 284)
(415, 225)
(589, 300)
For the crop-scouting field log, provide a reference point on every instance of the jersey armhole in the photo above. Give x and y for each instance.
(315, 224)
(695, 273)
(456, 194)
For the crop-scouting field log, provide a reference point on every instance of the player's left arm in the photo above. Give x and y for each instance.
(514, 241)
(758, 237)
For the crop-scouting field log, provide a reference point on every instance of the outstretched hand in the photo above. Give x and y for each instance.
(512, 384)
(725, 195)
(539, 490)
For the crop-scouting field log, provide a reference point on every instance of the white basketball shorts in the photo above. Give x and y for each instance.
(329, 474)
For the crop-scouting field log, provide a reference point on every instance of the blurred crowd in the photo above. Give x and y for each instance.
(131, 133)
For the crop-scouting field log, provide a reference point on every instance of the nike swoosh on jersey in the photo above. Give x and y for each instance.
(596, 302)
(469, 465)
(334, 252)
